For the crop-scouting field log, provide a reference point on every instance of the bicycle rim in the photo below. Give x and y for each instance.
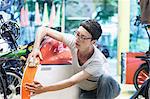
(14, 83)
(140, 76)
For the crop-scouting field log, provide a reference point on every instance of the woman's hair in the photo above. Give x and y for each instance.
(93, 27)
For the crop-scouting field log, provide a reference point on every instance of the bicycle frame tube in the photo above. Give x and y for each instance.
(146, 28)
(13, 54)
(148, 62)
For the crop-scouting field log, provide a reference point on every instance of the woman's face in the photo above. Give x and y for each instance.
(83, 38)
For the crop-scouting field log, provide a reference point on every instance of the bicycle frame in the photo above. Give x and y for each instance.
(13, 54)
(146, 28)
(145, 86)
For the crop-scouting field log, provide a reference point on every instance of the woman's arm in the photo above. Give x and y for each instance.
(44, 31)
(40, 34)
(37, 88)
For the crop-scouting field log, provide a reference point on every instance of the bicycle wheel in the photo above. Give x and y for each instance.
(147, 93)
(14, 83)
(140, 76)
(3, 85)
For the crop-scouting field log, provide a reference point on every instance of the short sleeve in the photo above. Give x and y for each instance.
(69, 40)
(96, 69)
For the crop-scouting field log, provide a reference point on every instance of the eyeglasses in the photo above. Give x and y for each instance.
(81, 37)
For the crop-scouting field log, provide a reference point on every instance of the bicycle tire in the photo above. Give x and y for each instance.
(147, 93)
(3, 82)
(142, 69)
(14, 82)
(3, 87)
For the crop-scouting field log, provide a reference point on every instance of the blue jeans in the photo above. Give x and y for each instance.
(107, 88)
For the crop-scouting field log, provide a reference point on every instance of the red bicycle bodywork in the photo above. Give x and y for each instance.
(131, 65)
(55, 52)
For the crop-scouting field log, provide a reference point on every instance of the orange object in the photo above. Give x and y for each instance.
(131, 65)
(28, 77)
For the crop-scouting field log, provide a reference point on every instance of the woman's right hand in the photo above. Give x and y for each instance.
(34, 57)
(36, 53)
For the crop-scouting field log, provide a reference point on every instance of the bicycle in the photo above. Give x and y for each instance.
(141, 79)
(142, 72)
(11, 67)
(144, 89)
(13, 62)
(10, 80)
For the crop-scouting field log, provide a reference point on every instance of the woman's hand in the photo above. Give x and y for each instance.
(34, 58)
(35, 88)
(36, 53)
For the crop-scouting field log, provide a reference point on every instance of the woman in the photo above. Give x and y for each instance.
(90, 65)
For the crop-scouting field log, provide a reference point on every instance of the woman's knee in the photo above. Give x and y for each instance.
(108, 85)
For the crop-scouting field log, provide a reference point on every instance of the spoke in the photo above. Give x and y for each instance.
(141, 82)
(10, 79)
(142, 77)
(17, 86)
(13, 81)
(145, 74)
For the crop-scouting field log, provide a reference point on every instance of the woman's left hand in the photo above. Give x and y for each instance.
(34, 87)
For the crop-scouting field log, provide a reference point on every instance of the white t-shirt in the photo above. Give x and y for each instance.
(96, 65)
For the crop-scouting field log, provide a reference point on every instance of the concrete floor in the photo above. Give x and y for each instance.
(126, 91)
